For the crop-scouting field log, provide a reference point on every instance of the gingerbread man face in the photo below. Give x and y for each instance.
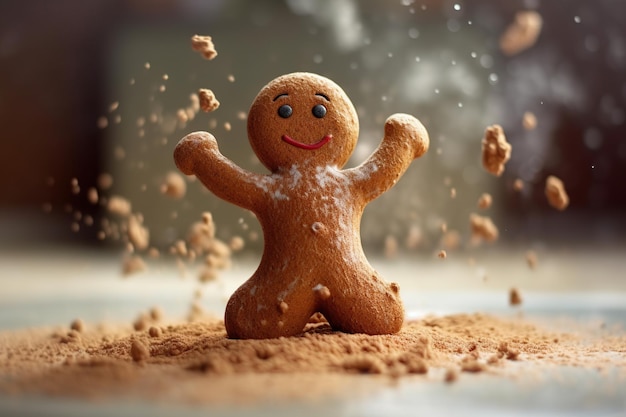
(301, 119)
(304, 128)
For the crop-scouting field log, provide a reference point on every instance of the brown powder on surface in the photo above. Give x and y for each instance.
(200, 365)
(208, 102)
(556, 194)
(522, 33)
(483, 228)
(204, 45)
(496, 151)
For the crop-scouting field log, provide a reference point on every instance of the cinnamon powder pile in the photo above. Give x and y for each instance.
(195, 362)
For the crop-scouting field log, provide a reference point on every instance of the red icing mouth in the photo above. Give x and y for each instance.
(306, 146)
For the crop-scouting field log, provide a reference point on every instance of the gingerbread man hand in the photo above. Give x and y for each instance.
(303, 128)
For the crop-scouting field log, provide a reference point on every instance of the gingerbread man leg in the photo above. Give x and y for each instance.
(365, 296)
(260, 311)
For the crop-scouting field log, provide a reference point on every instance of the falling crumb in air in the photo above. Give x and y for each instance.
(227, 126)
(208, 102)
(518, 185)
(531, 259)
(484, 201)
(391, 247)
(442, 254)
(529, 121)
(119, 205)
(102, 122)
(77, 325)
(556, 194)
(204, 45)
(496, 151)
(483, 228)
(452, 192)
(522, 33)
(133, 264)
(231, 78)
(174, 185)
(515, 297)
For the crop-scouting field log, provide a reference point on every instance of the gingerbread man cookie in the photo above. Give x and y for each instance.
(303, 128)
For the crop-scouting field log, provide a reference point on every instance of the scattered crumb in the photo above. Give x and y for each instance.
(529, 121)
(496, 151)
(391, 247)
(518, 185)
(556, 194)
(119, 205)
(442, 254)
(138, 351)
(132, 265)
(204, 45)
(208, 102)
(77, 325)
(531, 259)
(515, 297)
(236, 243)
(414, 237)
(227, 126)
(154, 331)
(452, 192)
(102, 122)
(522, 33)
(138, 235)
(451, 375)
(485, 201)
(231, 78)
(174, 185)
(451, 240)
(92, 195)
(105, 181)
(483, 228)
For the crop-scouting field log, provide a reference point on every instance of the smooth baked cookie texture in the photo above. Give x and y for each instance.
(303, 128)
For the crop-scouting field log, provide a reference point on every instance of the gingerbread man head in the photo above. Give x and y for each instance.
(302, 119)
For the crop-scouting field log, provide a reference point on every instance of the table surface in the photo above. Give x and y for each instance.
(53, 287)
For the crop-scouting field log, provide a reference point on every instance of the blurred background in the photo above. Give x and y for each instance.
(92, 87)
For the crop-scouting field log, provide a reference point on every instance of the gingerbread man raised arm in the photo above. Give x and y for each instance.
(303, 128)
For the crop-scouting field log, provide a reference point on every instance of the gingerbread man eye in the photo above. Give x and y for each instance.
(319, 111)
(285, 111)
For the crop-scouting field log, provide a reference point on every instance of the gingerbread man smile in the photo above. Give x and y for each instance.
(309, 208)
(306, 146)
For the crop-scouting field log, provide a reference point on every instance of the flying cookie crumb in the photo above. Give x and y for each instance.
(529, 121)
(442, 254)
(227, 126)
(496, 151)
(515, 297)
(132, 265)
(485, 201)
(119, 205)
(483, 228)
(208, 102)
(453, 192)
(556, 194)
(204, 45)
(174, 185)
(105, 181)
(451, 375)
(231, 78)
(138, 235)
(518, 185)
(236, 243)
(531, 259)
(92, 195)
(391, 247)
(522, 33)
